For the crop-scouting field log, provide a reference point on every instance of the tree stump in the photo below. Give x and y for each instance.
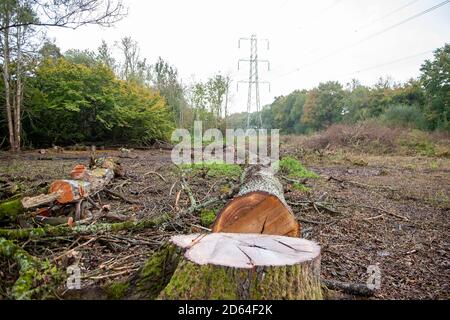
(259, 207)
(245, 266)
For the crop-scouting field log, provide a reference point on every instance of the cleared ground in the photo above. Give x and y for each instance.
(389, 210)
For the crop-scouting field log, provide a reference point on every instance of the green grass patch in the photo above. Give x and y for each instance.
(294, 169)
(418, 142)
(301, 187)
(214, 169)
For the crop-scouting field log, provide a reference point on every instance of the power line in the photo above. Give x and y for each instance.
(389, 62)
(321, 13)
(386, 15)
(371, 36)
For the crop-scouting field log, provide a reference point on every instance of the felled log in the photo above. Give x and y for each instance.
(85, 183)
(245, 266)
(10, 209)
(34, 275)
(259, 207)
(64, 230)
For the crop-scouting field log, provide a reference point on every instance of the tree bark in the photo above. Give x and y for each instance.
(259, 207)
(244, 266)
(18, 101)
(6, 63)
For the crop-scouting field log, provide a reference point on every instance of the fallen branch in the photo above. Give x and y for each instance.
(34, 275)
(316, 205)
(350, 288)
(120, 196)
(379, 209)
(359, 184)
(157, 174)
(64, 230)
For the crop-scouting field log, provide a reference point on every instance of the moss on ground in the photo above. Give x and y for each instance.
(207, 217)
(117, 291)
(10, 209)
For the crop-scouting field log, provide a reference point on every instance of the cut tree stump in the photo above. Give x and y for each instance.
(259, 207)
(245, 266)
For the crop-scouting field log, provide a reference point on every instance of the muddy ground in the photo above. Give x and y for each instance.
(390, 211)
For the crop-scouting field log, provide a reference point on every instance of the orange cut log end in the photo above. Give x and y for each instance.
(65, 190)
(257, 212)
(69, 190)
(78, 172)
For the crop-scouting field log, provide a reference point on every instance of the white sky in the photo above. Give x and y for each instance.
(200, 37)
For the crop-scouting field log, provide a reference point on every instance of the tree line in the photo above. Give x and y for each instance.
(422, 103)
(83, 96)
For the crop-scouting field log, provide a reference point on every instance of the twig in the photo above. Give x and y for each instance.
(188, 190)
(374, 218)
(110, 275)
(120, 196)
(316, 205)
(78, 247)
(91, 201)
(155, 173)
(173, 186)
(200, 227)
(295, 181)
(359, 184)
(177, 199)
(382, 210)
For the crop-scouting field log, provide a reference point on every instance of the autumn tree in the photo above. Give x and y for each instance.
(324, 105)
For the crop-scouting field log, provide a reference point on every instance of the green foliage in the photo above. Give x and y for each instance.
(70, 102)
(165, 80)
(293, 168)
(207, 217)
(422, 103)
(208, 100)
(404, 116)
(436, 81)
(300, 187)
(323, 106)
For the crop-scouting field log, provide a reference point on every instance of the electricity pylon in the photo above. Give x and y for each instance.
(253, 78)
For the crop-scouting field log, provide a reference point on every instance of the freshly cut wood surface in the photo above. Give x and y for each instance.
(245, 266)
(259, 207)
(246, 250)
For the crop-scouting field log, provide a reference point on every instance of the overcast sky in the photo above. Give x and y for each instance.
(310, 41)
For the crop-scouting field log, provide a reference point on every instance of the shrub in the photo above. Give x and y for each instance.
(404, 116)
